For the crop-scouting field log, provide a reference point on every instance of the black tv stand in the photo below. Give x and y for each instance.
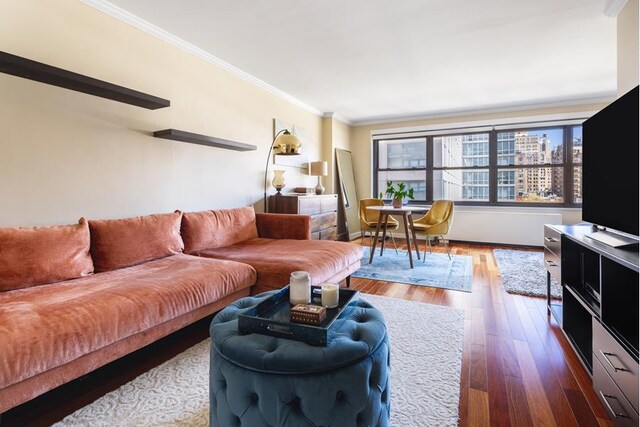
(599, 312)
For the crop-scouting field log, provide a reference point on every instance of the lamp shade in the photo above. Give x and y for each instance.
(318, 169)
(286, 144)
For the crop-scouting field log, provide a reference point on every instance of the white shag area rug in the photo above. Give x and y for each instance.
(426, 358)
(523, 273)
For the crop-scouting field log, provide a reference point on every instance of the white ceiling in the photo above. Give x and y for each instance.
(378, 59)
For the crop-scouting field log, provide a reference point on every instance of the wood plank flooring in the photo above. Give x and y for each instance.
(517, 367)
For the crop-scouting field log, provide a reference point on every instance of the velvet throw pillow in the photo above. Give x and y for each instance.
(217, 229)
(40, 255)
(119, 243)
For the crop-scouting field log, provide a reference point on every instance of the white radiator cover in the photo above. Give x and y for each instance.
(517, 228)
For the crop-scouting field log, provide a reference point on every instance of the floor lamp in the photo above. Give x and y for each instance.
(286, 144)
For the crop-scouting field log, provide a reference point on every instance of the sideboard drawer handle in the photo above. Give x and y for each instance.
(605, 398)
(551, 239)
(551, 263)
(604, 354)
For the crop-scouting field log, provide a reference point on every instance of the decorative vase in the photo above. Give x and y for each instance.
(278, 180)
(397, 203)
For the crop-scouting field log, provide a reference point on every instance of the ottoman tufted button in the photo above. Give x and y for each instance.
(340, 396)
(295, 403)
(254, 398)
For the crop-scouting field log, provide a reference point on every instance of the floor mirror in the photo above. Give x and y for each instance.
(348, 219)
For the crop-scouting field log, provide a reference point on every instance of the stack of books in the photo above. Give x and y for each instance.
(307, 313)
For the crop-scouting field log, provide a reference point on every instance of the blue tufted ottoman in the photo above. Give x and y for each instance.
(258, 380)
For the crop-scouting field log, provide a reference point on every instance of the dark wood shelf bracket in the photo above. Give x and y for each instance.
(211, 141)
(32, 70)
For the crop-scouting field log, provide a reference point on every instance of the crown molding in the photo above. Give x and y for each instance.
(613, 7)
(338, 117)
(600, 98)
(139, 23)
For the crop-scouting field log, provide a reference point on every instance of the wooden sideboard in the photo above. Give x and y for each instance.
(322, 209)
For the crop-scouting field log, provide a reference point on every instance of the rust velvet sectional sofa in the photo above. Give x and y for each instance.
(76, 297)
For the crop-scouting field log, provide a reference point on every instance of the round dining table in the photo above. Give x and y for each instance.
(407, 220)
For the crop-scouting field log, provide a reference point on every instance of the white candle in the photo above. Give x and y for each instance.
(330, 295)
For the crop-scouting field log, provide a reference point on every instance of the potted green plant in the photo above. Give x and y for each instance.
(398, 193)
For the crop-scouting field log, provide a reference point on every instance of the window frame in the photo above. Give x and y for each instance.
(567, 165)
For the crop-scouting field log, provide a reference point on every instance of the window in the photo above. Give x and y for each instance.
(576, 155)
(459, 167)
(534, 149)
(403, 160)
(530, 166)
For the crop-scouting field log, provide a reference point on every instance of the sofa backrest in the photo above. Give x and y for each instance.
(40, 255)
(119, 243)
(216, 229)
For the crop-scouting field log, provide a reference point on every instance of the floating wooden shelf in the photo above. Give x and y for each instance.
(32, 70)
(194, 138)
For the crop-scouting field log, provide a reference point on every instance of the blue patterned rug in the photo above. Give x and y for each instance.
(438, 270)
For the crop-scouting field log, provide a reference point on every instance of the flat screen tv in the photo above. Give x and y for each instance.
(610, 166)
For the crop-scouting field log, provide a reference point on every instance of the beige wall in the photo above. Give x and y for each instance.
(65, 154)
(628, 49)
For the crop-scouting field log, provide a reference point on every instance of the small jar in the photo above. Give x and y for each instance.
(300, 288)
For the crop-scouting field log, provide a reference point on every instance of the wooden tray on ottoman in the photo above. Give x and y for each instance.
(271, 317)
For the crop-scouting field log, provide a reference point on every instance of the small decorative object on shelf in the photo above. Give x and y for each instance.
(307, 313)
(330, 292)
(303, 190)
(300, 288)
(278, 180)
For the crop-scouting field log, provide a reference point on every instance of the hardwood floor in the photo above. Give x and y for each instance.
(517, 369)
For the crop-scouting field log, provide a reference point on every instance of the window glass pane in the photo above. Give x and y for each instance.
(539, 185)
(402, 153)
(457, 184)
(506, 185)
(506, 148)
(461, 150)
(577, 144)
(412, 179)
(531, 147)
(577, 184)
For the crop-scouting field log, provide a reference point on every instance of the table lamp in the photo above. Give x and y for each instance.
(318, 169)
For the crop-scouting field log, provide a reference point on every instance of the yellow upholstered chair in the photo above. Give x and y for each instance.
(436, 223)
(369, 220)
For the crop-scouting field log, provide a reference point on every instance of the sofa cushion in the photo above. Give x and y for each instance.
(50, 325)
(275, 259)
(215, 229)
(119, 243)
(40, 255)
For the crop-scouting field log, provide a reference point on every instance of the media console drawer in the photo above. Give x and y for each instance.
(622, 368)
(552, 264)
(552, 240)
(612, 397)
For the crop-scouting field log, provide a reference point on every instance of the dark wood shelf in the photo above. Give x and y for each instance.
(32, 70)
(211, 141)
